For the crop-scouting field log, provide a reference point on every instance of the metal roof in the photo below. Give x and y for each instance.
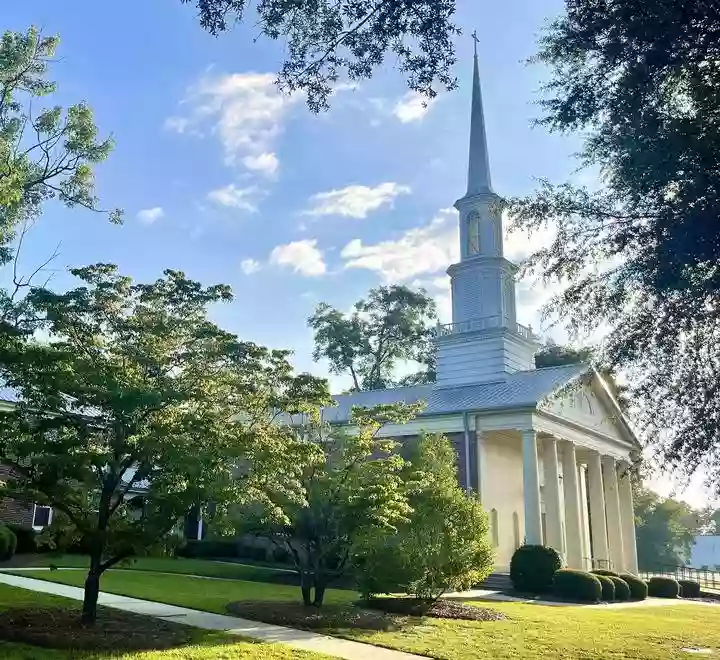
(521, 389)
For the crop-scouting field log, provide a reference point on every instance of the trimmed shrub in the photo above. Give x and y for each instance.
(8, 542)
(221, 549)
(532, 568)
(663, 587)
(605, 572)
(638, 586)
(689, 588)
(26, 542)
(575, 585)
(608, 588)
(622, 588)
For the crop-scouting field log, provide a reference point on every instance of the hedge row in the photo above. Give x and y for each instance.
(231, 549)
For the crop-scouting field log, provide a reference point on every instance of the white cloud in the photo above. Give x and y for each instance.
(246, 112)
(149, 216)
(355, 201)
(412, 107)
(303, 257)
(418, 251)
(234, 197)
(266, 163)
(250, 266)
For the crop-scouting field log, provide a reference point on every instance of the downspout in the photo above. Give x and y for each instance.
(466, 429)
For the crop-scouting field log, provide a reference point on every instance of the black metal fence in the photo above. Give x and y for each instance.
(705, 576)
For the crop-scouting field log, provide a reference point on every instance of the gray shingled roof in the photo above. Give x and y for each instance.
(521, 389)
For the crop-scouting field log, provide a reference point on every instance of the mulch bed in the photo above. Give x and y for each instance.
(60, 628)
(441, 609)
(382, 614)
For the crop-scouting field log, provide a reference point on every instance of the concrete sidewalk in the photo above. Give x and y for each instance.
(263, 632)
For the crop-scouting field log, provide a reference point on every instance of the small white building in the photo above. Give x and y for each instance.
(546, 449)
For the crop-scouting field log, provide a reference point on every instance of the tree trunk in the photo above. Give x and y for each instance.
(92, 590)
(320, 585)
(306, 589)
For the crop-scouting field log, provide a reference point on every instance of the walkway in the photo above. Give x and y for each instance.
(263, 632)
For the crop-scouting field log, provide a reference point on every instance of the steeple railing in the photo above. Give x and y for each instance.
(484, 323)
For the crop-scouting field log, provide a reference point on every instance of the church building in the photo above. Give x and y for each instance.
(547, 450)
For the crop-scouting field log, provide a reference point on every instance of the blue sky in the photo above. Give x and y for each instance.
(225, 179)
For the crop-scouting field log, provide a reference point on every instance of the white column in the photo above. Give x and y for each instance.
(553, 515)
(612, 508)
(627, 515)
(573, 524)
(584, 520)
(598, 525)
(531, 489)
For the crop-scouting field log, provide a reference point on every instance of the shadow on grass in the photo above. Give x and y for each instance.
(60, 628)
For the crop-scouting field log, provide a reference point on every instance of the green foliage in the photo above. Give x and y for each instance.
(393, 324)
(575, 585)
(690, 588)
(604, 571)
(324, 41)
(45, 153)
(221, 549)
(350, 485)
(638, 587)
(663, 587)
(665, 530)
(26, 539)
(443, 546)
(622, 588)
(638, 82)
(556, 355)
(8, 542)
(532, 568)
(137, 390)
(608, 587)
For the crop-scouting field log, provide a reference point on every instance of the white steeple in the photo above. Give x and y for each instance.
(479, 161)
(484, 341)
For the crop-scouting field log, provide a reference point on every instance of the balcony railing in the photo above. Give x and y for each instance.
(484, 323)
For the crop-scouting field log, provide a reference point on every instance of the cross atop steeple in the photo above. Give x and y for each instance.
(476, 39)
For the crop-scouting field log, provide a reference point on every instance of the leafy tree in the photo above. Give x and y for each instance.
(125, 415)
(442, 546)
(641, 83)
(350, 485)
(666, 530)
(44, 153)
(325, 39)
(556, 355)
(394, 323)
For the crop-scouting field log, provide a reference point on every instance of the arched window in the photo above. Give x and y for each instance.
(516, 529)
(494, 530)
(473, 225)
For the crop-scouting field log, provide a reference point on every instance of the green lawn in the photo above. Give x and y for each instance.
(185, 590)
(207, 645)
(205, 567)
(532, 631)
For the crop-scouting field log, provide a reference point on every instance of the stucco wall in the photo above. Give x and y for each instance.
(503, 492)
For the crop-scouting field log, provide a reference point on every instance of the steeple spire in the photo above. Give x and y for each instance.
(479, 165)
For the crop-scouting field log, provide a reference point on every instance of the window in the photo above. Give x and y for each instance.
(473, 224)
(516, 529)
(42, 516)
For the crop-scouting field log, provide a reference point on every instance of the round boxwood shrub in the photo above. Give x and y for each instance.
(608, 588)
(604, 571)
(622, 588)
(26, 539)
(689, 588)
(575, 585)
(638, 586)
(663, 587)
(8, 543)
(532, 568)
